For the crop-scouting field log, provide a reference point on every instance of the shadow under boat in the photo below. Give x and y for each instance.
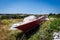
(27, 35)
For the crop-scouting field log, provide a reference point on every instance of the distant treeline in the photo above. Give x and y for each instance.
(14, 16)
(18, 16)
(54, 15)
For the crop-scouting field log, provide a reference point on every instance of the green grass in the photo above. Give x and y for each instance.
(41, 33)
(45, 31)
(55, 24)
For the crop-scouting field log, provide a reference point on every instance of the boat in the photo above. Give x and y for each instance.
(30, 25)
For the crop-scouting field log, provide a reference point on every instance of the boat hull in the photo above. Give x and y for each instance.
(28, 26)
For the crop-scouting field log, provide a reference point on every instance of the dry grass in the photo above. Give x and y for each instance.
(5, 33)
(44, 32)
(11, 35)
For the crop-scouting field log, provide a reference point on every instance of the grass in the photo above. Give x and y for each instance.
(6, 34)
(41, 33)
(45, 31)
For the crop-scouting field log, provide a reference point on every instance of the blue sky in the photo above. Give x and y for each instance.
(30, 6)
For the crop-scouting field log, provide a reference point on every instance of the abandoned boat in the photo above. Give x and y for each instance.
(28, 23)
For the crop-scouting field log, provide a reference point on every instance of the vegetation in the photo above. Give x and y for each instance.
(4, 17)
(45, 31)
(7, 34)
(13, 16)
(42, 33)
(54, 15)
